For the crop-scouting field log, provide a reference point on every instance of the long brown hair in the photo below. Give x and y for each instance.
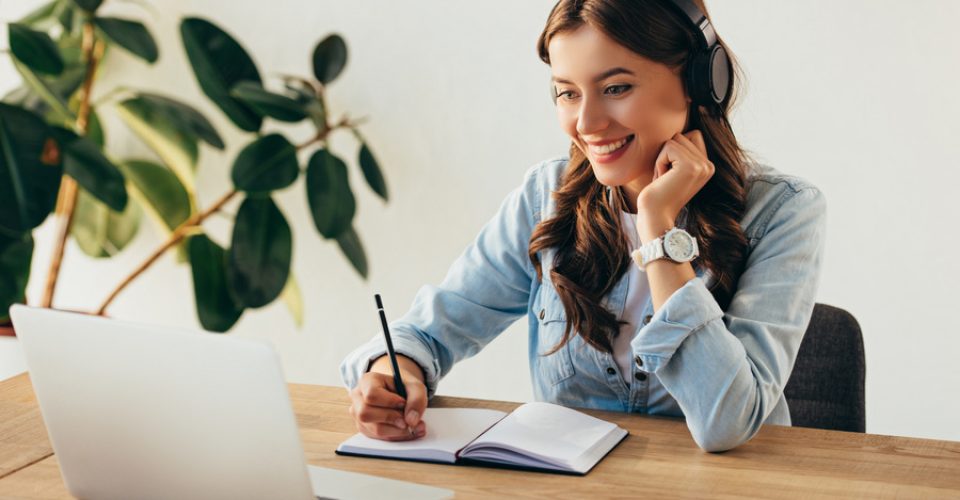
(592, 252)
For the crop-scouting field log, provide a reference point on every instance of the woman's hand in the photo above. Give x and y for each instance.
(380, 412)
(681, 170)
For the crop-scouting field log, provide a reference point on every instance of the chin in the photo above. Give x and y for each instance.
(612, 176)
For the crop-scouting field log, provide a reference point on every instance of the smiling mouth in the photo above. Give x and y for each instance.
(613, 147)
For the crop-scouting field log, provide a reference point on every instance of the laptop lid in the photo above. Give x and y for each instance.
(139, 411)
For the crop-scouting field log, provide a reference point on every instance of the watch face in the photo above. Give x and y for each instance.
(679, 246)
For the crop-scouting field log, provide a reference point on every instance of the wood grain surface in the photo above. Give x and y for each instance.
(659, 459)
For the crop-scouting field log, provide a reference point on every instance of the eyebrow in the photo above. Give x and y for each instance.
(602, 76)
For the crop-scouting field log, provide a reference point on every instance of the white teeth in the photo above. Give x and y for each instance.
(608, 148)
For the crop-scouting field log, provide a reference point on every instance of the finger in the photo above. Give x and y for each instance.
(669, 153)
(691, 148)
(374, 415)
(376, 392)
(696, 137)
(390, 433)
(697, 149)
(416, 403)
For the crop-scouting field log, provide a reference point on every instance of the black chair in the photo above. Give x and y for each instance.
(826, 388)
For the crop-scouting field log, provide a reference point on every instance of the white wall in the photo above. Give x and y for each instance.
(857, 96)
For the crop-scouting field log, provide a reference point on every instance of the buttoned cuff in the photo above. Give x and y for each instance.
(358, 362)
(689, 309)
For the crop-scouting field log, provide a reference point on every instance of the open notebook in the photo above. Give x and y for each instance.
(536, 436)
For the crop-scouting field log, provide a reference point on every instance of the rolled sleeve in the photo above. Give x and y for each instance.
(689, 308)
(727, 369)
(358, 362)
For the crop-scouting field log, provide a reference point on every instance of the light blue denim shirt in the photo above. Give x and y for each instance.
(724, 371)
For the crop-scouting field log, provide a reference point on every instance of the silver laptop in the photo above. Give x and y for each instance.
(139, 411)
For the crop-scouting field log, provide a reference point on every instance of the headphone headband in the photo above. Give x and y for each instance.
(698, 19)
(708, 71)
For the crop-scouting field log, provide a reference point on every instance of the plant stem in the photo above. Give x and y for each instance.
(175, 237)
(189, 225)
(67, 197)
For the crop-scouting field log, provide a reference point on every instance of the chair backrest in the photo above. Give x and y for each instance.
(826, 388)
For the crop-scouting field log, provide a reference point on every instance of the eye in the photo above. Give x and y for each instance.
(565, 95)
(618, 89)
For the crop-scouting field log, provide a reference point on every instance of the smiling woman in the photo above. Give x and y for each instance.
(706, 319)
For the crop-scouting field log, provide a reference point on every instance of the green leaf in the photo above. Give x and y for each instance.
(175, 146)
(66, 16)
(184, 116)
(329, 58)
(84, 161)
(67, 84)
(160, 191)
(88, 5)
(35, 49)
(101, 232)
(15, 257)
(219, 63)
(30, 170)
(260, 253)
(266, 164)
(292, 298)
(172, 129)
(276, 106)
(351, 246)
(131, 35)
(372, 173)
(40, 14)
(95, 129)
(215, 305)
(307, 97)
(49, 95)
(328, 191)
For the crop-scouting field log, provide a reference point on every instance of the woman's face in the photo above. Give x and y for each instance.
(607, 94)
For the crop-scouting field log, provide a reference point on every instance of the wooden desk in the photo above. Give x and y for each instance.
(658, 459)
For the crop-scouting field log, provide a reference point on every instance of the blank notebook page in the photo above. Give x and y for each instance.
(548, 431)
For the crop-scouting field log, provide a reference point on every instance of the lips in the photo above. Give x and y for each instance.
(611, 147)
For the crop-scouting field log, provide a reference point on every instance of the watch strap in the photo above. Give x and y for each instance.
(649, 252)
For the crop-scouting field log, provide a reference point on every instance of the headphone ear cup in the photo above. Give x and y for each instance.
(708, 76)
(719, 74)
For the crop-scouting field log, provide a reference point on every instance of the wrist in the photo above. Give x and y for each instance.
(651, 227)
(408, 367)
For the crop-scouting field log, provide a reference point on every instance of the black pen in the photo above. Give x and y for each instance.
(397, 381)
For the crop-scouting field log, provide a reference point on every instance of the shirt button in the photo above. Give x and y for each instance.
(640, 376)
(638, 361)
(611, 371)
(541, 313)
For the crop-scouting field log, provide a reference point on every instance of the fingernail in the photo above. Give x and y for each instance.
(413, 417)
(400, 423)
(421, 433)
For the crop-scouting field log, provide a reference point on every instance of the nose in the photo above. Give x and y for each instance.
(592, 117)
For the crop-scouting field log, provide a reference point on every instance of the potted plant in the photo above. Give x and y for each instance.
(53, 160)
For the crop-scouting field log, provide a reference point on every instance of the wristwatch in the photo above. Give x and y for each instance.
(676, 245)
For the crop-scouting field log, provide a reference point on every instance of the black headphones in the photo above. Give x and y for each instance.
(707, 76)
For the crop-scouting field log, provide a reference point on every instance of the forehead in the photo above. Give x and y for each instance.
(584, 53)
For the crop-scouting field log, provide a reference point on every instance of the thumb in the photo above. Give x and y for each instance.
(416, 403)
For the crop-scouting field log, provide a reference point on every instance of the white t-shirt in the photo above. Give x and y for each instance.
(637, 296)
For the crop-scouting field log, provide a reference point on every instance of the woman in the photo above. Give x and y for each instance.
(661, 272)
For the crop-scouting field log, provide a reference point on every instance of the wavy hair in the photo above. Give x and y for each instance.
(592, 251)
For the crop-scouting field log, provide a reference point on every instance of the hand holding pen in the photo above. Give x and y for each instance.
(389, 400)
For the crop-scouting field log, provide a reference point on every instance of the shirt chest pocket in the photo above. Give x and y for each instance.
(556, 367)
